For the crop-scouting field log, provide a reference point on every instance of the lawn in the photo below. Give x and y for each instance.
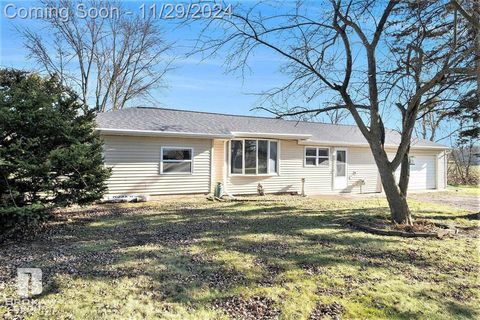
(285, 257)
(468, 190)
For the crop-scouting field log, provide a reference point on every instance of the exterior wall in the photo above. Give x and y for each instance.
(439, 174)
(218, 161)
(442, 170)
(318, 180)
(362, 172)
(291, 171)
(135, 163)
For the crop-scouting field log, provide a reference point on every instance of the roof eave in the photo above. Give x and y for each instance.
(292, 136)
(302, 138)
(365, 145)
(156, 133)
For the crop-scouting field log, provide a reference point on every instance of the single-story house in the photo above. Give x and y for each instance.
(155, 151)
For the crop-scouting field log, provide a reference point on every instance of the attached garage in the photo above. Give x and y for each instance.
(422, 172)
(157, 151)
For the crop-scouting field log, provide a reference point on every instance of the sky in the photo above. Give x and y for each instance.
(193, 84)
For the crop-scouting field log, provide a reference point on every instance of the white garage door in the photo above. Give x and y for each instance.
(422, 173)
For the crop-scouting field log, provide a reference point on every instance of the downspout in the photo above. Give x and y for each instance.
(225, 168)
(445, 168)
(212, 166)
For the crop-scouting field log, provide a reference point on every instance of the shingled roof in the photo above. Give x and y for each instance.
(158, 121)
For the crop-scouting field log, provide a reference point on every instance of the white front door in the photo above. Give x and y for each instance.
(340, 169)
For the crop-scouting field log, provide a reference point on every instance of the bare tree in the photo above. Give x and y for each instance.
(351, 50)
(459, 98)
(110, 60)
(337, 116)
(463, 158)
(430, 122)
(434, 114)
(462, 164)
(470, 11)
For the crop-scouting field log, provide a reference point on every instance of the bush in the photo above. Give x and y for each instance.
(458, 175)
(50, 153)
(17, 218)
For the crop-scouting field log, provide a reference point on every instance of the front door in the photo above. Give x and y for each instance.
(340, 174)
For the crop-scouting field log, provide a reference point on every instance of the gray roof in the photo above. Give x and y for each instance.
(191, 122)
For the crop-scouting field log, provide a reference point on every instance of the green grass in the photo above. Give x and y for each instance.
(468, 190)
(173, 259)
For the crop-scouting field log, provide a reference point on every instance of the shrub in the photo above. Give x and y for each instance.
(459, 175)
(18, 218)
(50, 154)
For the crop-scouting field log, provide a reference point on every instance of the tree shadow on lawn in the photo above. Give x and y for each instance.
(429, 215)
(181, 250)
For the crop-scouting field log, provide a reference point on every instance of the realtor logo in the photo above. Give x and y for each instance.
(29, 282)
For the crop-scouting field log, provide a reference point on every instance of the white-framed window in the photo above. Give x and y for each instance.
(315, 156)
(253, 157)
(341, 163)
(176, 160)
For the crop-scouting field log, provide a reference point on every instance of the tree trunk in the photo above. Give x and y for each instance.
(405, 173)
(397, 200)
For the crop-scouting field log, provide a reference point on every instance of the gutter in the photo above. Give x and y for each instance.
(155, 133)
(365, 145)
(302, 138)
(292, 136)
(236, 134)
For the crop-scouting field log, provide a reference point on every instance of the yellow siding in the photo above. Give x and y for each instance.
(317, 179)
(218, 161)
(361, 166)
(136, 169)
(135, 163)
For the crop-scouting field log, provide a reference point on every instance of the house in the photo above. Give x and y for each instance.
(154, 151)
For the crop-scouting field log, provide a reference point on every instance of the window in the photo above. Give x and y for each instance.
(252, 157)
(176, 160)
(236, 158)
(322, 156)
(316, 156)
(273, 163)
(262, 156)
(311, 156)
(341, 163)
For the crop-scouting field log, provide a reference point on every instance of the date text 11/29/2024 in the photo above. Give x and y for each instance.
(185, 10)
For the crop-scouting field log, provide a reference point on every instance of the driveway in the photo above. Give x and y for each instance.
(460, 199)
(452, 198)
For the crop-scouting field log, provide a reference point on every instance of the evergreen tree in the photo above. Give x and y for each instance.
(50, 154)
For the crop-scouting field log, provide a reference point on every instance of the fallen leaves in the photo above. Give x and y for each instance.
(178, 256)
(270, 273)
(327, 311)
(256, 307)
